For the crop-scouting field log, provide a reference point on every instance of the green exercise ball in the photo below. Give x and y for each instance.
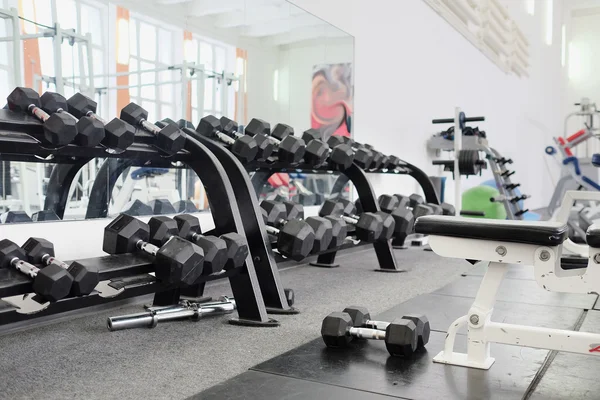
(478, 199)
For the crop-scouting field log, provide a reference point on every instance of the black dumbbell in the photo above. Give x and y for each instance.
(321, 227)
(169, 138)
(244, 147)
(177, 261)
(403, 218)
(162, 206)
(215, 250)
(14, 217)
(436, 208)
(378, 158)
(118, 134)
(362, 318)
(137, 208)
(289, 148)
(416, 203)
(338, 157)
(41, 251)
(295, 238)
(362, 156)
(185, 206)
(90, 132)
(44, 215)
(59, 129)
(392, 162)
(293, 210)
(52, 282)
(400, 336)
(235, 244)
(448, 209)
(368, 226)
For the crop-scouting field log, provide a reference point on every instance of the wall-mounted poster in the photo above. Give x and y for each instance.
(332, 99)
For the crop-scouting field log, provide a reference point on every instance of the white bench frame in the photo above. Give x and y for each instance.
(549, 275)
(564, 212)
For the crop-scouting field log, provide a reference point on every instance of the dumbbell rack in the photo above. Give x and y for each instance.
(366, 195)
(231, 215)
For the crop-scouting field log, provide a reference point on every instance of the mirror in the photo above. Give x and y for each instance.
(178, 59)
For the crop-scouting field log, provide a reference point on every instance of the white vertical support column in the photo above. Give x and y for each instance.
(184, 90)
(90, 61)
(17, 56)
(39, 173)
(24, 189)
(239, 118)
(60, 86)
(224, 95)
(457, 148)
(201, 77)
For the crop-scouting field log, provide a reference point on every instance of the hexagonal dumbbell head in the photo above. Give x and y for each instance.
(421, 210)
(53, 282)
(281, 131)
(123, 233)
(209, 126)
(423, 328)
(415, 199)
(260, 130)
(257, 126)
(311, 134)
(245, 148)
(348, 207)
(179, 262)
(341, 157)
(161, 206)
(359, 315)
(187, 225)
(334, 329)
(295, 240)
(133, 114)
(437, 209)
(85, 278)
(363, 157)
(182, 123)
(323, 233)
(8, 251)
(21, 98)
(377, 160)
(448, 209)
(275, 211)
(403, 201)
(184, 206)
(293, 210)
(291, 150)
(169, 139)
(36, 248)
(332, 208)
(215, 253)
(44, 215)
(118, 134)
(237, 250)
(401, 337)
(389, 225)
(387, 203)
(339, 231)
(90, 132)
(136, 208)
(52, 102)
(80, 105)
(14, 217)
(162, 229)
(369, 227)
(316, 152)
(265, 147)
(404, 222)
(392, 162)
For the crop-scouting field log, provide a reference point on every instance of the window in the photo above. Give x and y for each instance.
(549, 21)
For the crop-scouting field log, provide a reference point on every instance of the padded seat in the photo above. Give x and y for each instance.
(543, 233)
(592, 236)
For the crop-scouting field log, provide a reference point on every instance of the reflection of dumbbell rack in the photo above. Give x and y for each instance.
(467, 162)
(17, 144)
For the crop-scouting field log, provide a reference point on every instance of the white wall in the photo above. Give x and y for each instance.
(412, 66)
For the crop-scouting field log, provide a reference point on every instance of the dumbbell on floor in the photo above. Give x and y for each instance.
(44, 215)
(295, 238)
(59, 129)
(362, 318)
(289, 148)
(52, 282)
(90, 132)
(400, 336)
(264, 145)
(177, 261)
(118, 134)
(14, 217)
(339, 156)
(41, 251)
(169, 138)
(244, 147)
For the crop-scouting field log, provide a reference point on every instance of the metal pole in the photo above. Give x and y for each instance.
(60, 87)
(240, 101)
(224, 96)
(457, 148)
(184, 91)
(16, 47)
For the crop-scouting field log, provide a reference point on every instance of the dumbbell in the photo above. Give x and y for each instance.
(185, 206)
(177, 261)
(41, 251)
(436, 208)
(378, 157)
(118, 134)
(52, 282)
(264, 145)
(215, 250)
(391, 162)
(362, 318)
(322, 229)
(244, 147)
(162, 206)
(403, 218)
(369, 226)
(137, 208)
(169, 138)
(416, 203)
(289, 148)
(44, 215)
(90, 132)
(293, 210)
(400, 336)
(14, 217)
(362, 156)
(295, 238)
(59, 129)
(236, 246)
(318, 152)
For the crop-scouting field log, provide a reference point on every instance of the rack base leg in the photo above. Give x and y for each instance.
(288, 311)
(271, 323)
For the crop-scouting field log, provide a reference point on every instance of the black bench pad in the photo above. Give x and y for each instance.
(592, 236)
(543, 233)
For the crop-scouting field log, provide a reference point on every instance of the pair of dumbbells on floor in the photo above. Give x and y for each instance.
(402, 337)
(54, 279)
(182, 254)
(17, 217)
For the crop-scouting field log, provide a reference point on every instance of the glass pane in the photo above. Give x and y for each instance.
(218, 105)
(99, 63)
(165, 43)
(208, 93)
(166, 111)
(166, 90)
(148, 78)
(67, 17)
(133, 78)
(43, 12)
(91, 22)
(195, 117)
(195, 93)
(147, 41)
(149, 106)
(133, 37)
(4, 82)
(70, 60)
(46, 56)
(206, 55)
(219, 59)
(190, 50)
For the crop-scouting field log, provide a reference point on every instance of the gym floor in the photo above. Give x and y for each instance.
(78, 357)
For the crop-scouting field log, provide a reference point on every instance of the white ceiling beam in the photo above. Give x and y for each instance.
(321, 31)
(200, 8)
(255, 15)
(169, 2)
(281, 25)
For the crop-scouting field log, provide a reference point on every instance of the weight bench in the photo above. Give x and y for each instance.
(504, 242)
